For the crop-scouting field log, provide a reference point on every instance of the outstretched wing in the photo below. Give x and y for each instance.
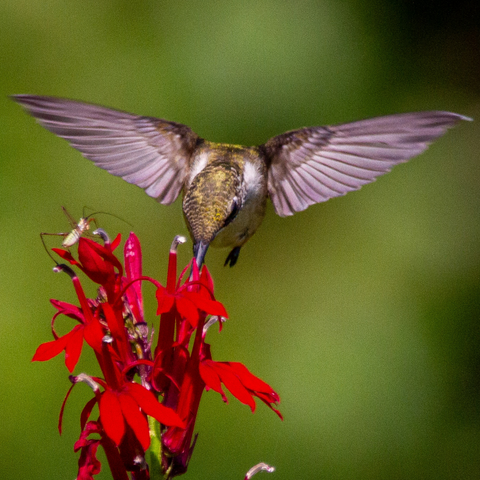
(149, 152)
(311, 165)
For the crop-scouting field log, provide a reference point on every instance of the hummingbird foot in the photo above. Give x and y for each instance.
(232, 257)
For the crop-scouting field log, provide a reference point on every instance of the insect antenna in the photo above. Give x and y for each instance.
(107, 213)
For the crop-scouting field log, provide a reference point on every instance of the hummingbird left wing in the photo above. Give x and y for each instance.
(146, 151)
(312, 165)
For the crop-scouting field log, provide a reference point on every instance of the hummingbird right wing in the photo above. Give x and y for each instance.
(146, 151)
(312, 165)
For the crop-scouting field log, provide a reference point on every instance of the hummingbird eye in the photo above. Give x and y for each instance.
(233, 213)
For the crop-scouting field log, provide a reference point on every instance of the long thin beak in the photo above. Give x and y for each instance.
(199, 251)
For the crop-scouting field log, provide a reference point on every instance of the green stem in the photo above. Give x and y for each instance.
(155, 449)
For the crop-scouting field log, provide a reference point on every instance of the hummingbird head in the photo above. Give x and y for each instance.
(211, 202)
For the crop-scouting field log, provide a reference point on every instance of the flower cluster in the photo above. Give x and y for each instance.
(147, 395)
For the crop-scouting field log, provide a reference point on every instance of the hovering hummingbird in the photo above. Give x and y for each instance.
(225, 187)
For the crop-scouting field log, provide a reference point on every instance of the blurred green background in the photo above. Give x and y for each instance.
(363, 312)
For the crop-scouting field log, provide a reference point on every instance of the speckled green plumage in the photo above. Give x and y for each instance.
(214, 200)
(206, 203)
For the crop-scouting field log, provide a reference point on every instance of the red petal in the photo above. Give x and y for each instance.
(211, 307)
(211, 378)
(93, 264)
(116, 242)
(133, 270)
(115, 324)
(88, 464)
(66, 255)
(62, 409)
(68, 309)
(268, 402)
(74, 348)
(135, 418)
(187, 310)
(87, 312)
(134, 299)
(195, 272)
(206, 279)
(111, 416)
(165, 300)
(83, 441)
(234, 385)
(106, 254)
(133, 257)
(87, 410)
(248, 379)
(150, 405)
(169, 367)
(48, 350)
(93, 334)
(182, 273)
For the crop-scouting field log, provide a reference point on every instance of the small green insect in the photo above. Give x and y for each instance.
(79, 229)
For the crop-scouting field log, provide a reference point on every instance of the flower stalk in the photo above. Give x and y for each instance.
(147, 396)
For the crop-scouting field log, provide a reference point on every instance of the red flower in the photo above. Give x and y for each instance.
(239, 381)
(173, 379)
(88, 464)
(97, 262)
(188, 302)
(72, 342)
(128, 406)
(133, 270)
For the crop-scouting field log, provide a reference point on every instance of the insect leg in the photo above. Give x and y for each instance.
(45, 246)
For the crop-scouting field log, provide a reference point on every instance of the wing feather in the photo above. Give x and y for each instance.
(146, 151)
(312, 165)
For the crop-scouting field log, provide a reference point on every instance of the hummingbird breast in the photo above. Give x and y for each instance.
(252, 212)
(225, 194)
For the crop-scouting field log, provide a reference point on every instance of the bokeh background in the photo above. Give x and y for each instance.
(363, 312)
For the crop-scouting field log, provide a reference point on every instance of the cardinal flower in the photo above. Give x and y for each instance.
(147, 396)
(188, 301)
(127, 406)
(89, 328)
(242, 384)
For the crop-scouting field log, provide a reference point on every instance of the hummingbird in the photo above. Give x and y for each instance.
(225, 187)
